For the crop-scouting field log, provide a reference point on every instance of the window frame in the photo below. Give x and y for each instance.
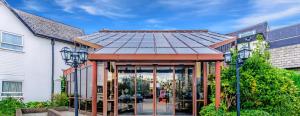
(247, 33)
(1, 39)
(22, 89)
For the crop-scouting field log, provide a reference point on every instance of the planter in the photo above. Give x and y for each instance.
(20, 112)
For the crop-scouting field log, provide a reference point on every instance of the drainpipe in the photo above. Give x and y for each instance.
(52, 68)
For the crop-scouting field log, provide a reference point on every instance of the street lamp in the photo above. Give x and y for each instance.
(74, 58)
(243, 54)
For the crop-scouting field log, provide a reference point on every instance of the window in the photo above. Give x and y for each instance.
(11, 88)
(11, 41)
(248, 33)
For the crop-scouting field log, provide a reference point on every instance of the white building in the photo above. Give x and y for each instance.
(30, 62)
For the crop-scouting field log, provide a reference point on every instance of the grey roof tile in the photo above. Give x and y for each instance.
(49, 28)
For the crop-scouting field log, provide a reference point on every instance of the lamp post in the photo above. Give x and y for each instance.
(243, 54)
(74, 58)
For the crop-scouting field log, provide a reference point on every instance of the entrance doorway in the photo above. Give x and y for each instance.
(155, 90)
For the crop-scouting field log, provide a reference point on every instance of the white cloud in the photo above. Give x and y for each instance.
(270, 10)
(194, 7)
(32, 5)
(105, 8)
(153, 21)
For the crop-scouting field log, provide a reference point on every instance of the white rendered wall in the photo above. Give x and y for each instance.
(33, 65)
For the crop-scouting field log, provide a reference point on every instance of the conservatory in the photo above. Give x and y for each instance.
(149, 72)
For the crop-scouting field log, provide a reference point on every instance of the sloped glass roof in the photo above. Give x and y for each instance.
(156, 42)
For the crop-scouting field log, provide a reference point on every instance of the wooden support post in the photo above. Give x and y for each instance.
(116, 90)
(205, 82)
(94, 88)
(105, 89)
(154, 90)
(218, 84)
(194, 89)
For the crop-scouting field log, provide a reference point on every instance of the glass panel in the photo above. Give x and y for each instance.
(126, 90)
(132, 44)
(110, 90)
(100, 77)
(204, 50)
(11, 39)
(164, 91)
(108, 50)
(144, 85)
(116, 44)
(185, 50)
(184, 95)
(188, 41)
(13, 47)
(147, 44)
(165, 51)
(126, 51)
(162, 44)
(145, 51)
(72, 84)
(199, 88)
(83, 89)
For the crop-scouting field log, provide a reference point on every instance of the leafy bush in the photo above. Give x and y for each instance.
(38, 104)
(60, 100)
(9, 105)
(210, 110)
(250, 113)
(263, 87)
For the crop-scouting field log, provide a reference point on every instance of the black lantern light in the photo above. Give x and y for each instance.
(243, 54)
(74, 58)
(227, 57)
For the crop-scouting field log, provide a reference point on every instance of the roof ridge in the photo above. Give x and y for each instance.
(49, 19)
(152, 31)
(245, 28)
(288, 26)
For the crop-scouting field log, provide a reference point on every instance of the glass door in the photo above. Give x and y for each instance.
(144, 90)
(184, 93)
(164, 91)
(126, 91)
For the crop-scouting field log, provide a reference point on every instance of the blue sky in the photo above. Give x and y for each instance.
(221, 16)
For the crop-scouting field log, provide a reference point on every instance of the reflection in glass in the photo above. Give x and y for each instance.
(200, 90)
(144, 85)
(164, 91)
(126, 90)
(184, 95)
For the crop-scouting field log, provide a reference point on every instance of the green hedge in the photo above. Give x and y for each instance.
(9, 105)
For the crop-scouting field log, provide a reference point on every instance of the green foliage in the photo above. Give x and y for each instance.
(250, 113)
(38, 104)
(60, 100)
(8, 106)
(263, 87)
(210, 110)
(63, 85)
